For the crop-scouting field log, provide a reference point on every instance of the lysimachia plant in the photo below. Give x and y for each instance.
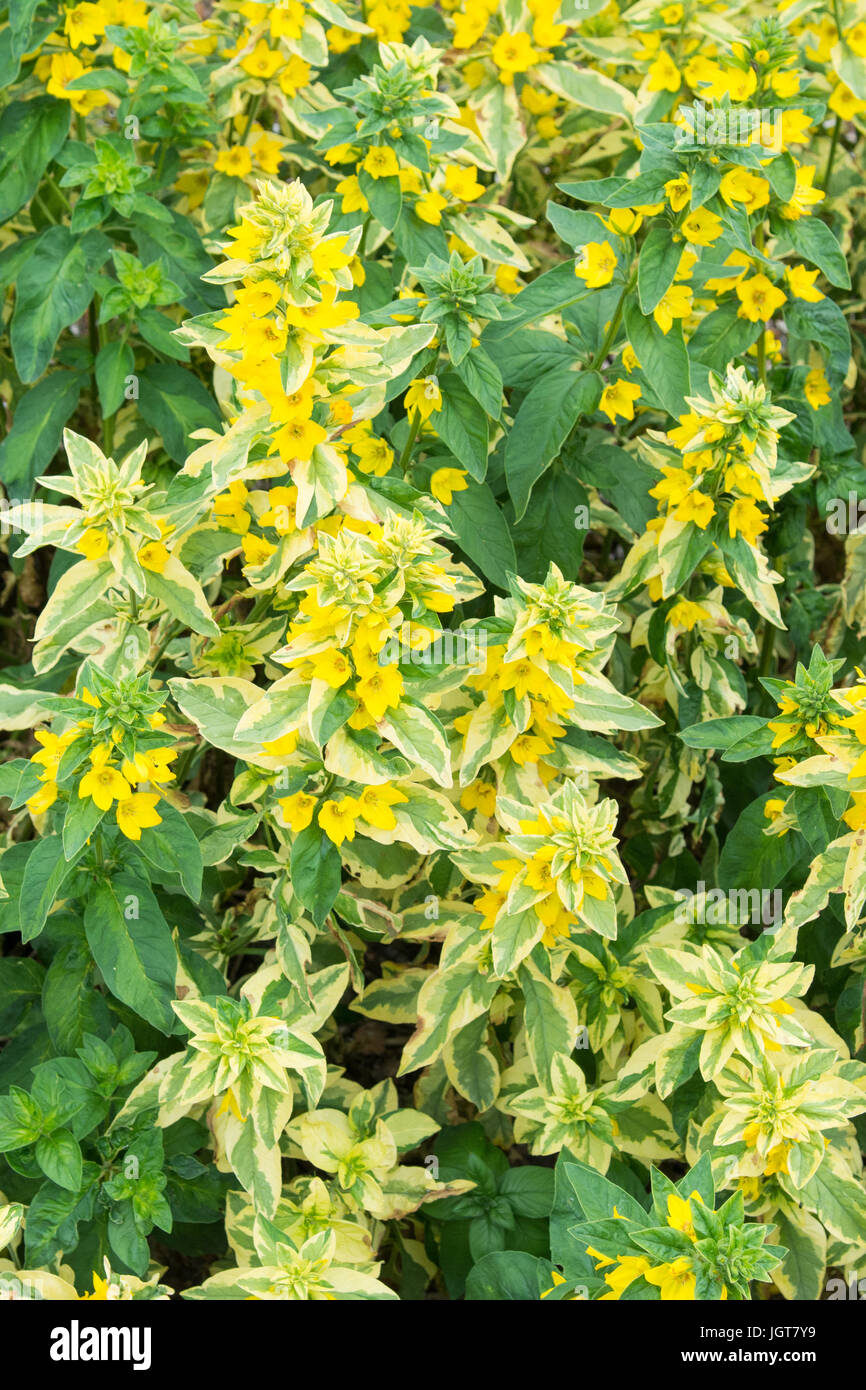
(431, 439)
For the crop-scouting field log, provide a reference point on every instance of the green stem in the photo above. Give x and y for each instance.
(832, 153)
(768, 643)
(251, 116)
(613, 326)
(414, 427)
(761, 353)
(93, 339)
(158, 654)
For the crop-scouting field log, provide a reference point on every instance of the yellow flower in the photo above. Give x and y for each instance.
(664, 75)
(93, 544)
(741, 186)
(686, 615)
(381, 163)
(680, 1213)
(696, 507)
(424, 396)
(844, 103)
(380, 691)
(353, 199)
(84, 24)
(236, 162)
(153, 556)
(702, 228)
(256, 550)
(445, 482)
(374, 456)
(676, 303)
(137, 812)
(596, 265)
(297, 810)
(506, 279)
(297, 439)
(513, 53)
(282, 746)
(337, 819)
(618, 398)
(854, 817)
(678, 191)
(479, 796)
(462, 181)
(103, 783)
(40, 801)
(333, 667)
(675, 1280)
(816, 389)
(624, 221)
(263, 62)
(805, 197)
(759, 299)
(746, 519)
(429, 207)
(65, 67)
(627, 1269)
(375, 806)
(855, 37)
(294, 76)
(802, 283)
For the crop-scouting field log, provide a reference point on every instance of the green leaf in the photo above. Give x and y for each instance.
(132, 946)
(552, 292)
(81, 819)
(175, 403)
(462, 426)
(31, 134)
(37, 429)
(586, 88)
(70, 1004)
(316, 872)
(481, 377)
(114, 363)
(812, 239)
(483, 533)
(663, 358)
(508, 1276)
(420, 737)
(546, 416)
(722, 336)
(751, 859)
(21, 980)
(46, 872)
(384, 197)
(54, 289)
(659, 257)
(721, 733)
(59, 1157)
(825, 324)
(173, 846)
(529, 1190)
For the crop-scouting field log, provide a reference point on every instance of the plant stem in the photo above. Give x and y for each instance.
(834, 141)
(251, 116)
(414, 427)
(613, 326)
(768, 642)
